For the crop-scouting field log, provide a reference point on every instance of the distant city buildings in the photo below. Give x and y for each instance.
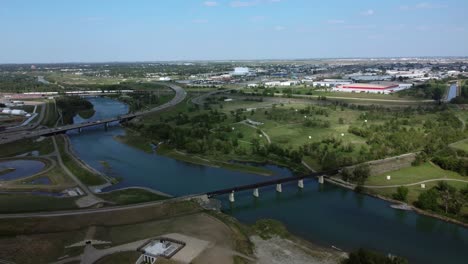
(240, 71)
(377, 87)
(331, 82)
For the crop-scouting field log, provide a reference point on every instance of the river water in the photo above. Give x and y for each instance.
(324, 214)
(22, 168)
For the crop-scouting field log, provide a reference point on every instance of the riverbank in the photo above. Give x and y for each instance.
(230, 240)
(133, 139)
(369, 192)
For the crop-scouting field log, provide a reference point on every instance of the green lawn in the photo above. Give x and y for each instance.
(131, 196)
(461, 145)
(120, 258)
(87, 177)
(18, 203)
(51, 114)
(26, 145)
(413, 174)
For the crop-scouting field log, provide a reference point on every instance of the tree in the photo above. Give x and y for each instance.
(401, 194)
(437, 93)
(446, 193)
(428, 200)
(364, 256)
(361, 173)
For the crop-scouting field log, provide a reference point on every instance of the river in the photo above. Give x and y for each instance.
(324, 214)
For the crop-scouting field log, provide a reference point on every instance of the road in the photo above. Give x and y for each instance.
(180, 95)
(116, 208)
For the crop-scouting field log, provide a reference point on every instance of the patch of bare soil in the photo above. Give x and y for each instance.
(277, 250)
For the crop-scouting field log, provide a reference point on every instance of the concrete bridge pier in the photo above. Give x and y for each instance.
(79, 130)
(278, 188)
(300, 184)
(231, 197)
(256, 193)
(106, 126)
(321, 179)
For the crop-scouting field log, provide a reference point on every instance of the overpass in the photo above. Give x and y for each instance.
(180, 95)
(278, 182)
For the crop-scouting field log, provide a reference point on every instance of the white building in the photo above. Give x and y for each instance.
(164, 79)
(241, 71)
(279, 83)
(162, 247)
(331, 82)
(8, 111)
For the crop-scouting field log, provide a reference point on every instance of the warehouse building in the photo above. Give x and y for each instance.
(331, 82)
(367, 88)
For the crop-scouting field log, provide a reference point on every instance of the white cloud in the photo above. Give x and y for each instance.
(200, 21)
(247, 3)
(359, 27)
(422, 28)
(335, 21)
(257, 18)
(422, 5)
(210, 3)
(377, 36)
(368, 12)
(279, 28)
(243, 3)
(93, 19)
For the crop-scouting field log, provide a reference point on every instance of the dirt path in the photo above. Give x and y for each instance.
(261, 131)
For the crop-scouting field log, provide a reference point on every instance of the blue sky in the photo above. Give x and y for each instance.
(155, 30)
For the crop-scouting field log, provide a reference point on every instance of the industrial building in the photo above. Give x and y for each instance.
(161, 247)
(281, 83)
(240, 71)
(18, 112)
(381, 87)
(331, 82)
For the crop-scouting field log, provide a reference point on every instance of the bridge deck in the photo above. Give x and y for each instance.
(268, 183)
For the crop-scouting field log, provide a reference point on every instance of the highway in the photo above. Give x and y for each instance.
(180, 95)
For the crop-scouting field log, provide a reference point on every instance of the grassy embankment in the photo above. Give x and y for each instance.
(26, 146)
(51, 115)
(283, 123)
(20, 203)
(84, 175)
(134, 139)
(131, 196)
(6, 170)
(416, 174)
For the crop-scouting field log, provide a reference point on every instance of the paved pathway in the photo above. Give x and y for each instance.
(90, 199)
(412, 184)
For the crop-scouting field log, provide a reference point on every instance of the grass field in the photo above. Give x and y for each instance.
(40, 248)
(413, 174)
(18, 203)
(120, 258)
(87, 177)
(26, 145)
(461, 145)
(51, 114)
(131, 196)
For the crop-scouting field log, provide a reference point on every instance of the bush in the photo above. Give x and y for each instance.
(364, 256)
(401, 194)
(428, 200)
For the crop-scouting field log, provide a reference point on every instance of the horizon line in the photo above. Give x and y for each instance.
(236, 60)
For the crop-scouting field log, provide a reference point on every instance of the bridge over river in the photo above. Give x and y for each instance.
(255, 186)
(180, 95)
